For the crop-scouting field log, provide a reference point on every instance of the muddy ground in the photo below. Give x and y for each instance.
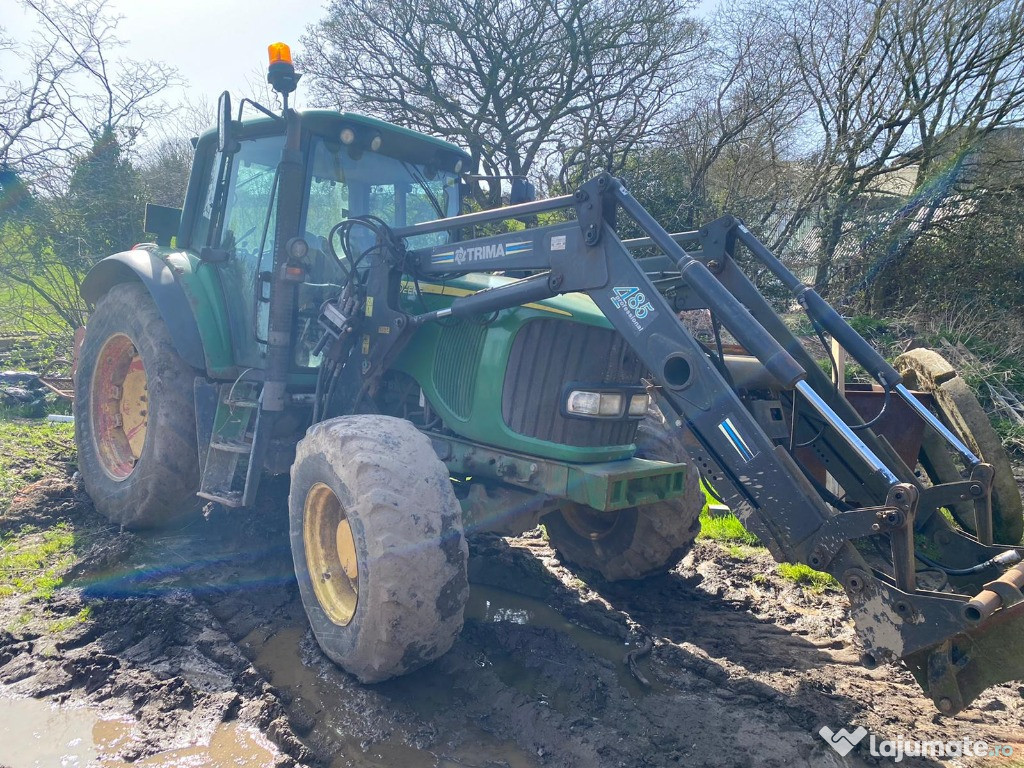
(199, 634)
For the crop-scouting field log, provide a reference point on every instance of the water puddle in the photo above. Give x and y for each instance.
(232, 745)
(370, 726)
(351, 725)
(356, 727)
(36, 734)
(493, 604)
(33, 733)
(209, 561)
(336, 716)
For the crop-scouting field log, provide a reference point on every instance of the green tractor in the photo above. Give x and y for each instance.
(323, 305)
(205, 364)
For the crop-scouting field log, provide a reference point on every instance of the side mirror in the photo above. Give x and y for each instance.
(162, 222)
(522, 192)
(226, 141)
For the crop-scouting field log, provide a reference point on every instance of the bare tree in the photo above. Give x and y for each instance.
(517, 82)
(32, 125)
(101, 97)
(734, 128)
(65, 120)
(885, 77)
(165, 161)
(69, 92)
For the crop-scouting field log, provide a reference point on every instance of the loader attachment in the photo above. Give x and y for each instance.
(954, 672)
(920, 589)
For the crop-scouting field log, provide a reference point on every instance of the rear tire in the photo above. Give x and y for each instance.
(636, 542)
(377, 545)
(135, 425)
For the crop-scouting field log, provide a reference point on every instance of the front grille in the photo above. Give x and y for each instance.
(546, 356)
(456, 364)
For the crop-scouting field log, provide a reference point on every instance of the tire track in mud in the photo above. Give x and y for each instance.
(511, 691)
(204, 624)
(767, 645)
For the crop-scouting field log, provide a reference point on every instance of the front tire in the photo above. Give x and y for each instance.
(959, 409)
(635, 542)
(135, 425)
(377, 544)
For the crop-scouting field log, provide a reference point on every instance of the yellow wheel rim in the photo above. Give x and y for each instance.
(330, 554)
(120, 406)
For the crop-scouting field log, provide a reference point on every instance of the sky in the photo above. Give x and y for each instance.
(214, 44)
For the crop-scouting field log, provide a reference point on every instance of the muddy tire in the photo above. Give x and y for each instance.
(958, 408)
(636, 542)
(377, 544)
(135, 425)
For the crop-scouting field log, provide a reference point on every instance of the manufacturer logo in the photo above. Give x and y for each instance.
(479, 253)
(475, 254)
(843, 742)
(634, 304)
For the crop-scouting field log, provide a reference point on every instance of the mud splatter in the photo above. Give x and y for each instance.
(200, 627)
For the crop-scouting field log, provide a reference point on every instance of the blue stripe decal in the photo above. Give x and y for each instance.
(728, 429)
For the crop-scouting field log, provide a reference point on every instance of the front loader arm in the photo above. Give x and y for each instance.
(955, 641)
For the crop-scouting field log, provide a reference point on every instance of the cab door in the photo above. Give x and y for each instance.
(241, 240)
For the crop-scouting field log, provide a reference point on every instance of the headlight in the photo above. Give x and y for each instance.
(638, 404)
(611, 405)
(583, 403)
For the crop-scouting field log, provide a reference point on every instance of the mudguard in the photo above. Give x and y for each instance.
(168, 295)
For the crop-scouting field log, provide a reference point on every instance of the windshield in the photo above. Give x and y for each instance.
(344, 184)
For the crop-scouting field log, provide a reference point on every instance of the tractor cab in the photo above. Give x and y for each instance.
(353, 166)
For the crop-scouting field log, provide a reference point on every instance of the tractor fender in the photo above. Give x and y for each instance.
(168, 295)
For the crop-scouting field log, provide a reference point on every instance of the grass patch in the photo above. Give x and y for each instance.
(66, 623)
(805, 576)
(20, 621)
(725, 528)
(1012, 435)
(739, 551)
(32, 562)
(740, 544)
(31, 451)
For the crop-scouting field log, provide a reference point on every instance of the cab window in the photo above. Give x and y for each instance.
(343, 185)
(246, 234)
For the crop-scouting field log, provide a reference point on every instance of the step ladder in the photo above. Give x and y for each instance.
(230, 473)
